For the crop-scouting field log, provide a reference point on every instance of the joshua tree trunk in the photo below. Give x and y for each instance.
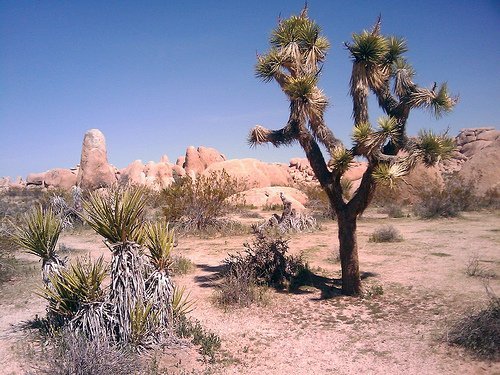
(351, 282)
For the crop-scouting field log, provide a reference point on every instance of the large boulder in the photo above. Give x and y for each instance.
(60, 178)
(483, 168)
(35, 179)
(270, 196)
(133, 174)
(198, 159)
(158, 175)
(253, 172)
(95, 171)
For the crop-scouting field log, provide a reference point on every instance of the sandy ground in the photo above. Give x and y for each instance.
(314, 330)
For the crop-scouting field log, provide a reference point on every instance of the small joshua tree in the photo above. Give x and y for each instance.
(295, 61)
(38, 235)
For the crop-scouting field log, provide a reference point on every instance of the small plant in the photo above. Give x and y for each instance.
(181, 265)
(393, 210)
(38, 235)
(267, 258)
(373, 291)
(209, 342)
(479, 331)
(474, 268)
(73, 353)
(386, 233)
(240, 288)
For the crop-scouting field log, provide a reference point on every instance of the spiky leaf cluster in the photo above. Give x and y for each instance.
(76, 286)
(39, 233)
(159, 240)
(432, 147)
(117, 214)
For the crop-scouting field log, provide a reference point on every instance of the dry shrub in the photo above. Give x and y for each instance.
(479, 332)
(75, 354)
(240, 288)
(201, 203)
(267, 259)
(317, 201)
(386, 233)
(448, 201)
(392, 210)
(475, 269)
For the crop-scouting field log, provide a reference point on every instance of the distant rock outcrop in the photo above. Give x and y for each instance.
(254, 172)
(270, 196)
(198, 159)
(95, 171)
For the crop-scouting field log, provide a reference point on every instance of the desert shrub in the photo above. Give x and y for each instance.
(448, 201)
(392, 210)
(74, 354)
(372, 292)
(181, 265)
(479, 331)
(317, 201)
(267, 259)
(197, 204)
(386, 233)
(240, 288)
(209, 342)
(491, 198)
(475, 269)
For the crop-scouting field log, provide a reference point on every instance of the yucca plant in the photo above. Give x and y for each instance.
(38, 235)
(182, 304)
(117, 215)
(159, 240)
(144, 321)
(76, 296)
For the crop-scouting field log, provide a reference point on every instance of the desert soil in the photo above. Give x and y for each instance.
(313, 330)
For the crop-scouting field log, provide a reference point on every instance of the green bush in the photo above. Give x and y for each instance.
(201, 203)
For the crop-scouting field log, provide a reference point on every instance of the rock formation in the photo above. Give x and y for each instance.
(95, 171)
(253, 172)
(198, 159)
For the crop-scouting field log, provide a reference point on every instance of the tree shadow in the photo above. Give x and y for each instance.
(301, 284)
(329, 287)
(216, 273)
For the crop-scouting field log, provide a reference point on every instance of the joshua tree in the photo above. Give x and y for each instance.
(294, 61)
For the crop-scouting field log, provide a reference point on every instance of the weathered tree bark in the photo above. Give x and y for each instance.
(351, 281)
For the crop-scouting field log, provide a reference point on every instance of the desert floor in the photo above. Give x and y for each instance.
(313, 330)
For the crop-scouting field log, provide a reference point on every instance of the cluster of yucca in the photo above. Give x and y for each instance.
(139, 305)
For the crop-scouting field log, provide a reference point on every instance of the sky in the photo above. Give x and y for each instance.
(158, 76)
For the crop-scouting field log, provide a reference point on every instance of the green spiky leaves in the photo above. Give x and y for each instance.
(432, 147)
(367, 140)
(368, 48)
(269, 65)
(116, 214)
(159, 239)
(438, 102)
(341, 160)
(75, 287)
(388, 174)
(301, 87)
(39, 233)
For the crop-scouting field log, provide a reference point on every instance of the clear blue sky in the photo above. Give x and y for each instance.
(158, 76)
